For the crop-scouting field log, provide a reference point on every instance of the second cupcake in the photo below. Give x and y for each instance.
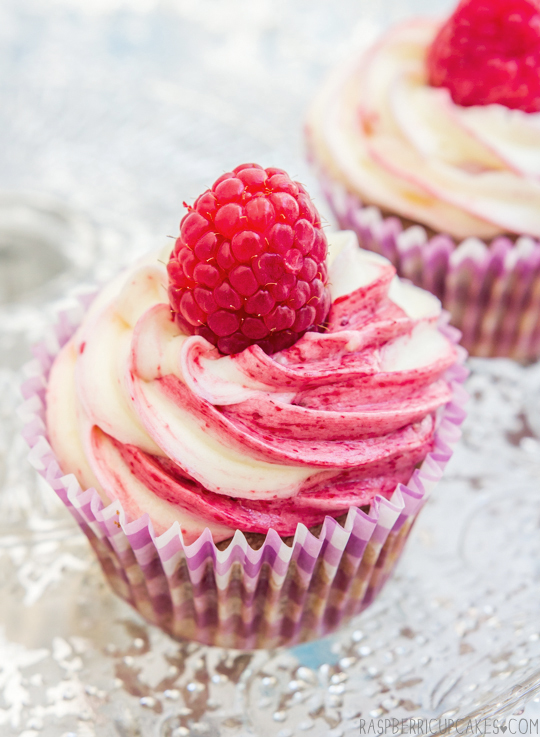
(428, 146)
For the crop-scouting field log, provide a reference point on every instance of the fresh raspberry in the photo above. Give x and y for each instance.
(488, 52)
(249, 266)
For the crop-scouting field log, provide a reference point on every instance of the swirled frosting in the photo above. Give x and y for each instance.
(165, 424)
(380, 129)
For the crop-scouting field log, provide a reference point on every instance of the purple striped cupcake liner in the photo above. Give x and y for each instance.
(492, 290)
(240, 597)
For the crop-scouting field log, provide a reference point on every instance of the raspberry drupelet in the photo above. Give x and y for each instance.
(488, 52)
(249, 266)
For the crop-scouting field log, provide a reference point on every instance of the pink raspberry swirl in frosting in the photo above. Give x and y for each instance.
(167, 425)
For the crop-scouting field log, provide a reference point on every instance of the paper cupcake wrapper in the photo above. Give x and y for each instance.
(492, 290)
(240, 597)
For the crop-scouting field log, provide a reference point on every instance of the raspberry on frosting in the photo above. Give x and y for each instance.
(249, 266)
(488, 52)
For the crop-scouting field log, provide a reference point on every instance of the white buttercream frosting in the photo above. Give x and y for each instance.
(380, 129)
(131, 395)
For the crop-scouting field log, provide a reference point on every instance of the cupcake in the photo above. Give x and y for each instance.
(245, 433)
(427, 146)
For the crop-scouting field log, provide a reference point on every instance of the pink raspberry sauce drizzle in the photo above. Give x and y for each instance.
(255, 441)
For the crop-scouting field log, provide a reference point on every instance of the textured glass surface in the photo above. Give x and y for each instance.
(112, 113)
